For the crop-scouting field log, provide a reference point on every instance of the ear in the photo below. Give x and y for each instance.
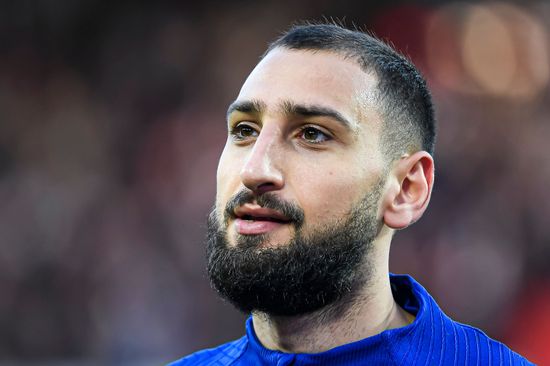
(410, 187)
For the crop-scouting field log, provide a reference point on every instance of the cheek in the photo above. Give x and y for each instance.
(227, 178)
(330, 194)
(331, 198)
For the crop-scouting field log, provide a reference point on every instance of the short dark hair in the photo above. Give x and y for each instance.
(405, 101)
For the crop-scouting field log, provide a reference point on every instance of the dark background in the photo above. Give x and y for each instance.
(111, 124)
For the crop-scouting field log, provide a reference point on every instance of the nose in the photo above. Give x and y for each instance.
(261, 172)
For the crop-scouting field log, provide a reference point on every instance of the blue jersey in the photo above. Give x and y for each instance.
(432, 339)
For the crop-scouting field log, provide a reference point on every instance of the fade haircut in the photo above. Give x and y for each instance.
(402, 95)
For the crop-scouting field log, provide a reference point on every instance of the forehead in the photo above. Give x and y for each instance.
(311, 77)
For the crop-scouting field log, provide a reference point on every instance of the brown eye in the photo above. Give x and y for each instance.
(314, 135)
(243, 131)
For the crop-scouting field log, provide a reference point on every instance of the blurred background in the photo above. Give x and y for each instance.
(112, 118)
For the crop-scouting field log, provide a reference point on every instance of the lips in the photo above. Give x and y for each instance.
(251, 219)
(257, 213)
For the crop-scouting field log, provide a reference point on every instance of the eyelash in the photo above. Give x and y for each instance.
(236, 133)
(303, 129)
(238, 128)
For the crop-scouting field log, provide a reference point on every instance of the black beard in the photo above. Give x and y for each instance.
(306, 274)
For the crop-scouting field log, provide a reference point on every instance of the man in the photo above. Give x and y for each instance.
(329, 153)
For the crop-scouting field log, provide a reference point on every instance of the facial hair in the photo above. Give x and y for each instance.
(310, 272)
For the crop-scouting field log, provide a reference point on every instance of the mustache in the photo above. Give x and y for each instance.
(268, 200)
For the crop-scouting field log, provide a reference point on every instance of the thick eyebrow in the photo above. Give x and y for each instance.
(253, 106)
(290, 108)
(312, 110)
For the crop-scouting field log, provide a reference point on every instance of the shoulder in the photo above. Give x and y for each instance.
(476, 345)
(224, 355)
(435, 338)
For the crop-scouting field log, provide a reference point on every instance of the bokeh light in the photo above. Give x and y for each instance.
(495, 49)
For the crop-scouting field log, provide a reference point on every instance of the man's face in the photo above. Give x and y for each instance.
(304, 130)
(299, 186)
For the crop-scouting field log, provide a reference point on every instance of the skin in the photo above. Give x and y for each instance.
(324, 156)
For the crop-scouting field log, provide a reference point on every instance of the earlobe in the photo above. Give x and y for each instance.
(410, 189)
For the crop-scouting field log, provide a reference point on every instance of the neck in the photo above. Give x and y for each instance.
(367, 312)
